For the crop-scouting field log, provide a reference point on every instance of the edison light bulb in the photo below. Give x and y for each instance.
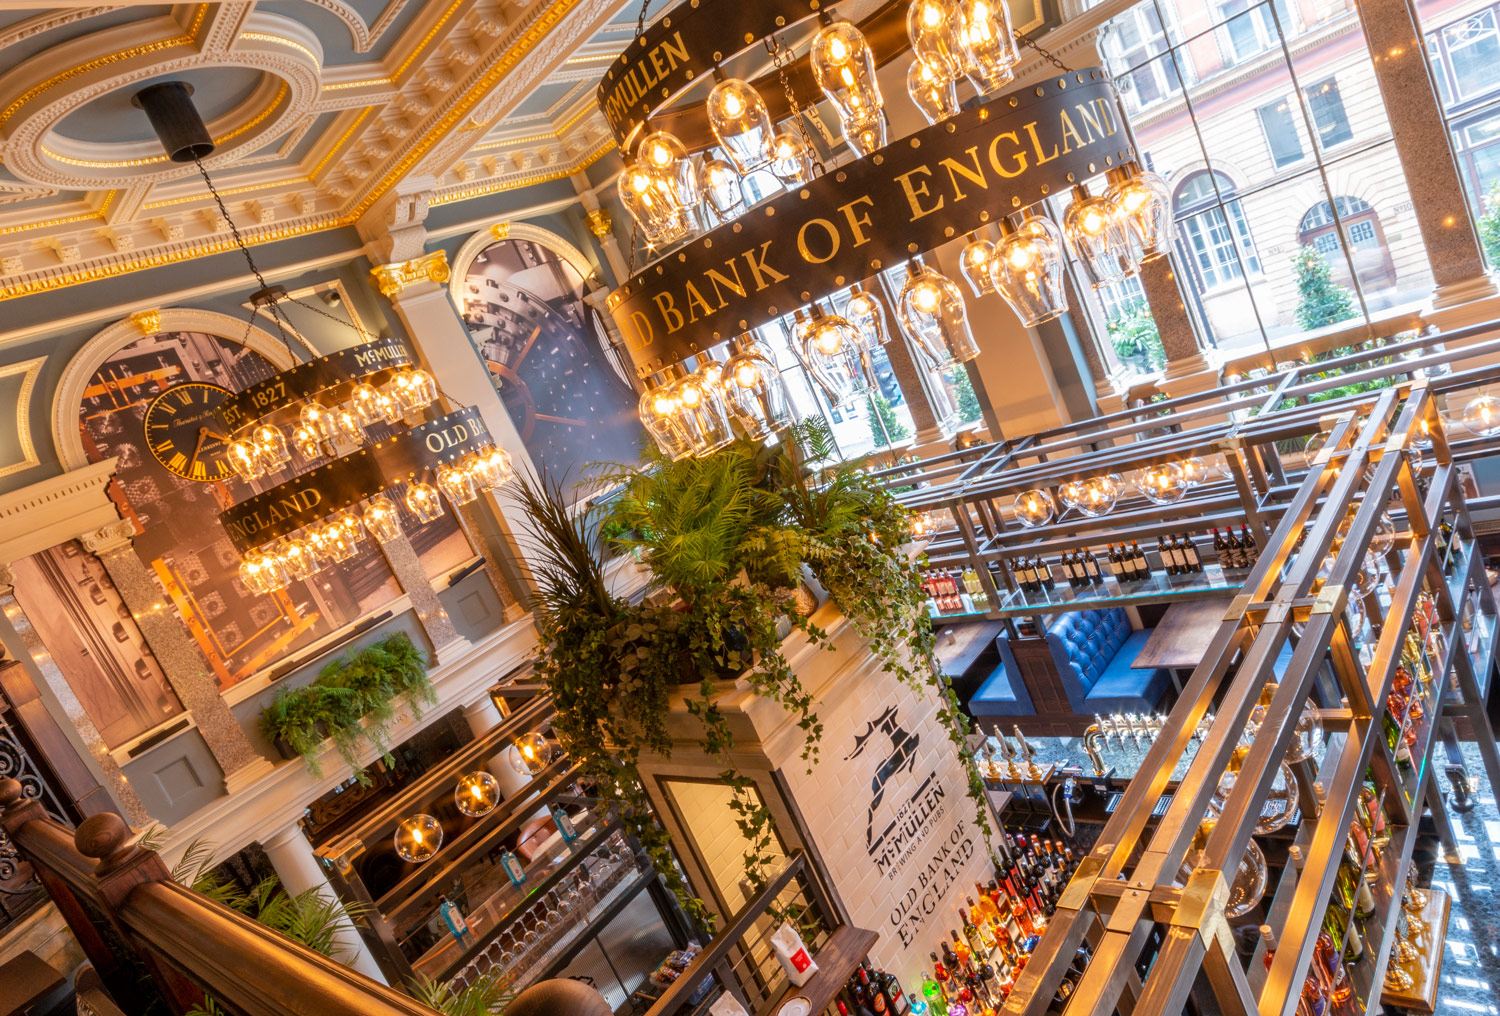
(832, 349)
(253, 573)
(364, 399)
(974, 263)
(790, 159)
(988, 45)
(935, 94)
(699, 410)
(739, 119)
(674, 178)
(865, 312)
(477, 793)
(1163, 483)
(754, 391)
(658, 413)
(931, 311)
(418, 838)
(422, 501)
(844, 67)
(1097, 497)
(492, 468)
(244, 459)
(1100, 238)
(532, 754)
(270, 443)
(1482, 416)
(1145, 203)
(1034, 508)
(720, 186)
(456, 483)
(382, 520)
(1027, 270)
(647, 209)
(933, 27)
(307, 441)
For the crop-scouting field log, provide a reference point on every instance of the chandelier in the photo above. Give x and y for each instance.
(694, 135)
(363, 424)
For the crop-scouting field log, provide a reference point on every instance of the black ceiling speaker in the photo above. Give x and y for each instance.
(169, 105)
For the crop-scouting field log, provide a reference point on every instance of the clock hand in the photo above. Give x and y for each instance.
(202, 435)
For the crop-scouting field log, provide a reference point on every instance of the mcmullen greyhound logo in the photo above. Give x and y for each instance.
(903, 756)
(905, 820)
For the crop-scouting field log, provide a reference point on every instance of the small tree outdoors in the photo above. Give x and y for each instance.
(966, 403)
(1489, 227)
(1321, 301)
(1132, 331)
(879, 404)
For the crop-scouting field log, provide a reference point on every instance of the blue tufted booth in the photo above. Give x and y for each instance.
(1003, 693)
(1093, 650)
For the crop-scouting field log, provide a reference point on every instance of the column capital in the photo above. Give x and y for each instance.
(394, 278)
(7, 578)
(393, 229)
(112, 536)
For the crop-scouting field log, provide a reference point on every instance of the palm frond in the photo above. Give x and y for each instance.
(569, 567)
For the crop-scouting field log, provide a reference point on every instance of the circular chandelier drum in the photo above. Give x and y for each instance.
(989, 161)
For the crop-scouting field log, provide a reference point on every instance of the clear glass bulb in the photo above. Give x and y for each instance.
(739, 119)
(832, 348)
(865, 312)
(456, 483)
(988, 45)
(418, 838)
(307, 441)
(935, 95)
(790, 159)
(1027, 270)
(674, 177)
(700, 411)
(754, 391)
(974, 263)
(244, 459)
(273, 573)
(422, 500)
(638, 194)
(844, 66)
(719, 183)
(382, 520)
(1034, 508)
(1098, 496)
(532, 754)
(492, 469)
(657, 410)
(253, 573)
(1163, 483)
(301, 563)
(932, 314)
(934, 29)
(365, 400)
(476, 794)
(1145, 202)
(1482, 416)
(270, 443)
(1108, 248)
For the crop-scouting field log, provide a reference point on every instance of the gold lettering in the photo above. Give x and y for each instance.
(659, 64)
(1091, 122)
(913, 194)
(833, 241)
(995, 156)
(1036, 145)
(957, 169)
(1069, 131)
(856, 221)
(716, 277)
(667, 308)
(761, 270)
(1104, 113)
(695, 300)
(641, 325)
(677, 54)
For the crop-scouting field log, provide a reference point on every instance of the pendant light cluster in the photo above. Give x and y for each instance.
(673, 194)
(1162, 483)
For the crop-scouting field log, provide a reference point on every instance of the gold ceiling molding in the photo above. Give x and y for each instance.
(363, 116)
(417, 50)
(29, 370)
(515, 183)
(500, 230)
(391, 279)
(148, 321)
(599, 223)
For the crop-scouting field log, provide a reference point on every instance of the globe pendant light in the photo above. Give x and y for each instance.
(933, 93)
(829, 347)
(865, 312)
(699, 410)
(418, 838)
(1145, 202)
(531, 755)
(1482, 416)
(658, 412)
(989, 47)
(1027, 270)
(974, 263)
(673, 175)
(790, 159)
(1099, 237)
(1034, 508)
(844, 67)
(933, 27)
(931, 311)
(739, 119)
(719, 184)
(754, 391)
(477, 794)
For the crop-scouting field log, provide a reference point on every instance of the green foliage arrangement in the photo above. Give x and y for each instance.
(725, 537)
(1320, 300)
(351, 701)
(883, 421)
(1132, 332)
(484, 997)
(1489, 227)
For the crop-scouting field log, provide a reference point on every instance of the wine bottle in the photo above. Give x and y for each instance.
(1114, 563)
(1190, 553)
(1232, 558)
(1166, 557)
(1143, 563)
(1249, 553)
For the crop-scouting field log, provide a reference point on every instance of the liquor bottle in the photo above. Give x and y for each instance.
(972, 935)
(1091, 565)
(1114, 563)
(874, 999)
(860, 1008)
(1221, 549)
(1340, 928)
(1190, 554)
(1169, 562)
(1143, 564)
(896, 1001)
(1048, 580)
(961, 951)
(1249, 553)
(1232, 556)
(1328, 962)
(564, 823)
(513, 869)
(939, 973)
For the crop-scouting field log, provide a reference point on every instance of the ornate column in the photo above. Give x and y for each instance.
(46, 669)
(165, 633)
(1422, 144)
(1188, 369)
(602, 226)
(413, 580)
(298, 867)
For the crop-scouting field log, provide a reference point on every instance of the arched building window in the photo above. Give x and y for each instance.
(1362, 233)
(1211, 224)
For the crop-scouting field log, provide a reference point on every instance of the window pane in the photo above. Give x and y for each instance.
(1327, 108)
(1281, 132)
(1473, 47)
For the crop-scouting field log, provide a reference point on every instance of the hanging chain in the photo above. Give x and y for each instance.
(1046, 54)
(782, 58)
(640, 21)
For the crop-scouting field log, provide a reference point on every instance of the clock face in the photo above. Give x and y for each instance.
(183, 431)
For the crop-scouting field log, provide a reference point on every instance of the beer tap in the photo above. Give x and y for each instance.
(1114, 728)
(1134, 722)
(1092, 737)
(1099, 726)
(1028, 753)
(1010, 754)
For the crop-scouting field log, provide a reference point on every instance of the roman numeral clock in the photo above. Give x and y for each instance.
(184, 434)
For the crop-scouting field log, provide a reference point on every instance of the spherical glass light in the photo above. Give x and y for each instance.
(1383, 536)
(987, 44)
(456, 483)
(932, 313)
(658, 412)
(865, 312)
(754, 391)
(300, 560)
(974, 262)
(933, 27)
(382, 519)
(1163, 483)
(1098, 496)
(844, 66)
(791, 160)
(1482, 416)
(1145, 202)
(270, 443)
(244, 459)
(1307, 736)
(532, 754)
(933, 93)
(1193, 469)
(1034, 508)
(737, 114)
(476, 794)
(1027, 270)
(1096, 231)
(719, 183)
(423, 501)
(1071, 493)
(418, 838)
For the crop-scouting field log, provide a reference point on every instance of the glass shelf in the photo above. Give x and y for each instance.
(1211, 582)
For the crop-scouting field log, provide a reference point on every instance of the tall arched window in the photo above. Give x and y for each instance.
(1362, 234)
(1211, 224)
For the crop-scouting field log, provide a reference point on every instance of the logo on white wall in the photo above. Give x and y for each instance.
(895, 821)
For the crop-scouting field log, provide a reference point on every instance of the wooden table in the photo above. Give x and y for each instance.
(969, 641)
(26, 980)
(1182, 636)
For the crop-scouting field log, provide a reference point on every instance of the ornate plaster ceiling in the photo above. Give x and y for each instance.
(322, 110)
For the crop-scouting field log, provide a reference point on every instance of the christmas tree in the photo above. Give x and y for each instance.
(880, 408)
(1321, 301)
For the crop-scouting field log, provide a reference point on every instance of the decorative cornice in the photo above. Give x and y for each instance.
(395, 277)
(55, 510)
(109, 537)
(28, 369)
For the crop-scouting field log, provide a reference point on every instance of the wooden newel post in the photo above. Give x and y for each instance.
(123, 865)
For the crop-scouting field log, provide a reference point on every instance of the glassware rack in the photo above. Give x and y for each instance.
(1385, 648)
